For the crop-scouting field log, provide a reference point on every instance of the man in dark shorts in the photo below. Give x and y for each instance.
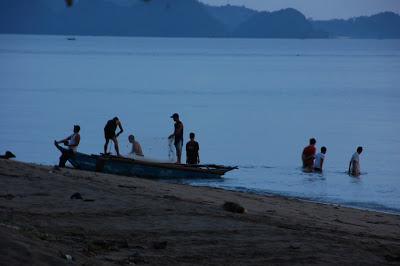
(192, 151)
(71, 143)
(109, 133)
(308, 156)
(178, 136)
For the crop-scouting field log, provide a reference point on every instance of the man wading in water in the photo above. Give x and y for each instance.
(109, 134)
(354, 165)
(178, 135)
(308, 156)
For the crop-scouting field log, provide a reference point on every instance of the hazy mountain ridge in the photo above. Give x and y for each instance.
(382, 25)
(231, 16)
(285, 23)
(164, 18)
(181, 18)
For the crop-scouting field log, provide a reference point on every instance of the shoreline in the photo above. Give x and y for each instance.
(382, 209)
(308, 200)
(122, 220)
(386, 210)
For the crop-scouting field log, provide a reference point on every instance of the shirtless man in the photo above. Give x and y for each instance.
(178, 136)
(109, 133)
(136, 148)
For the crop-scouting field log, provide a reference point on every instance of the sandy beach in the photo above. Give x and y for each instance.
(117, 220)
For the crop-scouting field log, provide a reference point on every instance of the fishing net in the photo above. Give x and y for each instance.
(171, 150)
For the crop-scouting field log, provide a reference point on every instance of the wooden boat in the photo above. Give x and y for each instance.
(147, 169)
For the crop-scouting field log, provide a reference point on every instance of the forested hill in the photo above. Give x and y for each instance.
(180, 18)
(166, 18)
(286, 23)
(384, 25)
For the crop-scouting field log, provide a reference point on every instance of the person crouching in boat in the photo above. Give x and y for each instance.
(71, 143)
(136, 148)
(192, 150)
(109, 133)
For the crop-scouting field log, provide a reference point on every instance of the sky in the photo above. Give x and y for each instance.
(319, 9)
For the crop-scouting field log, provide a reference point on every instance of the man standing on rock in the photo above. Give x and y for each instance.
(178, 136)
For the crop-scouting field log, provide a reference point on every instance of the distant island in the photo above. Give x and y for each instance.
(384, 25)
(181, 18)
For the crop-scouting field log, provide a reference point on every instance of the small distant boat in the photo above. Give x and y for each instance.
(140, 168)
(71, 39)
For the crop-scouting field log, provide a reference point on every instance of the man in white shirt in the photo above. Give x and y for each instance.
(319, 160)
(354, 165)
(71, 143)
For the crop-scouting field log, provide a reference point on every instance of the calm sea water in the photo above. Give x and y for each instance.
(252, 103)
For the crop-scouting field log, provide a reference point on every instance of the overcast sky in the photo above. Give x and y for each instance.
(319, 9)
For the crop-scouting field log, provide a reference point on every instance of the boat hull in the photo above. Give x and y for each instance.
(129, 167)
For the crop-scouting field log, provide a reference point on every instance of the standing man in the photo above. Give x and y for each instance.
(109, 133)
(192, 151)
(71, 143)
(319, 160)
(308, 156)
(354, 165)
(178, 136)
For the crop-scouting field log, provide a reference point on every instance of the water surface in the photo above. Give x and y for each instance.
(252, 103)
